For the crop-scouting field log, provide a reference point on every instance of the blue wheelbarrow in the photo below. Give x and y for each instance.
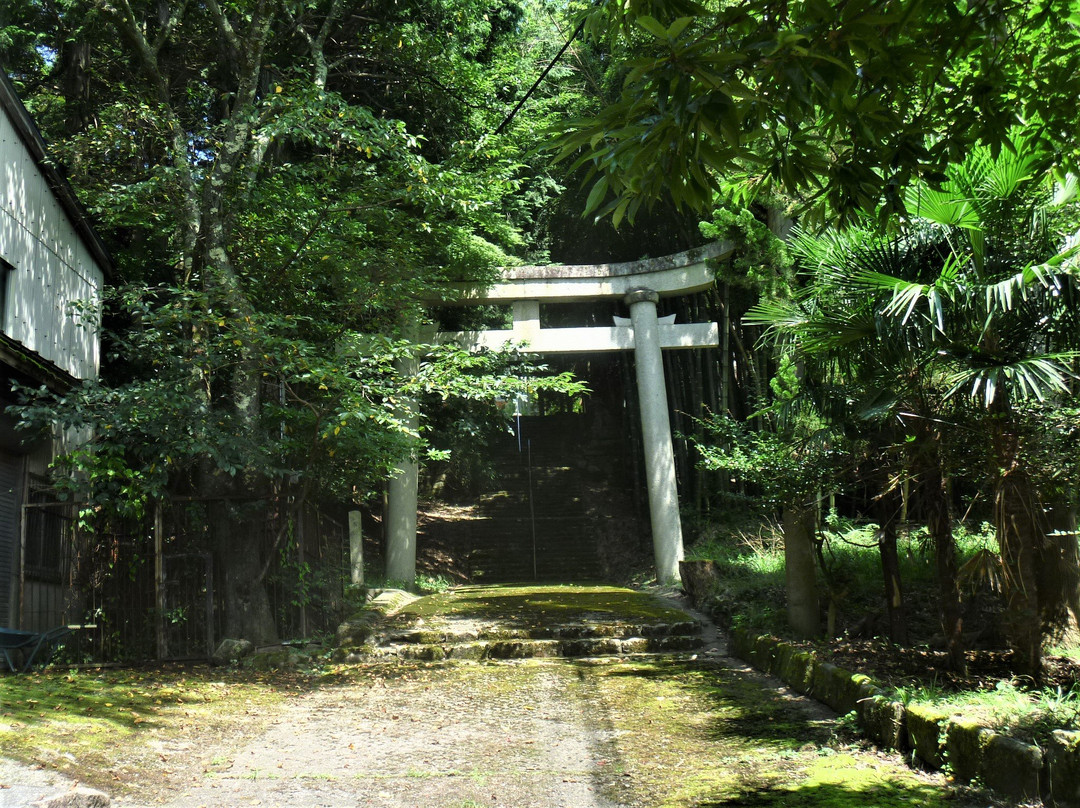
(32, 647)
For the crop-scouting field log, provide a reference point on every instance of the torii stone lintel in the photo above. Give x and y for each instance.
(678, 274)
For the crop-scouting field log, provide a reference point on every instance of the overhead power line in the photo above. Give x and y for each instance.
(543, 75)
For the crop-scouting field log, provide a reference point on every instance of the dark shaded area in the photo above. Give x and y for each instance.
(833, 796)
(912, 666)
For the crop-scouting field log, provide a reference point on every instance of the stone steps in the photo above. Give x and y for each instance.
(572, 641)
(383, 634)
(480, 650)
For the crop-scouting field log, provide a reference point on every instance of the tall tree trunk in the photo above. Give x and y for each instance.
(1020, 533)
(1059, 573)
(888, 507)
(203, 206)
(934, 489)
(803, 611)
(75, 72)
(1020, 540)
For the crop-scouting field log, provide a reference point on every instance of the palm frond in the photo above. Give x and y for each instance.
(1048, 275)
(1065, 191)
(783, 316)
(1027, 378)
(907, 295)
(942, 207)
(1010, 172)
(831, 331)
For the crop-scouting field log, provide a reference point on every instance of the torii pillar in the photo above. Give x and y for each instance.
(656, 435)
(402, 498)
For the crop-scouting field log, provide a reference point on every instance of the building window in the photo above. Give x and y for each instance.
(46, 523)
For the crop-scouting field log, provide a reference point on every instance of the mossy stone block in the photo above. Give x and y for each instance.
(420, 637)
(356, 631)
(553, 648)
(925, 737)
(274, 660)
(230, 650)
(963, 747)
(741, 643)
(821, 682)
(699, 578)
(684, 627)
(883, 720)
(1063, 760)
(601, 647)
(765, 652)
(390, 601)
(836, 687)
(1010, 767)
(467, 650)
(679, 643)
(424, 653)
(509, 649)
(799, 671)
(571, 632)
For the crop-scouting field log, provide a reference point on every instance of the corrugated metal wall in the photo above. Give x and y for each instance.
(53, 269)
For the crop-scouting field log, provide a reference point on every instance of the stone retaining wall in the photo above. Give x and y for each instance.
(1008, 767)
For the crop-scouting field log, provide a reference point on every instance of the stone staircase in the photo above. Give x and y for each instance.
(552, 494)
(399, 626)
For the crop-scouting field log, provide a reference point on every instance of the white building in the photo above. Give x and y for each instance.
(51, 265)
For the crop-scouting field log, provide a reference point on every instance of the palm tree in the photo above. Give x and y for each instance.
(971, 301)
(869, 380)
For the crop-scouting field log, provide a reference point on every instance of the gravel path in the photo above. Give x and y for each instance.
(517, 734)
(502, 735)
(22, 785)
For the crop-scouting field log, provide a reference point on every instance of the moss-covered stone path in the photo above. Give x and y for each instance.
(650, 731)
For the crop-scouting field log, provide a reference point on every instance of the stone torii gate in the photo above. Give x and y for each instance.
(640, 284)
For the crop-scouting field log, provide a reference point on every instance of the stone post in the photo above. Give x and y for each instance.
(402, 498)
(356, 549)
(656, 436)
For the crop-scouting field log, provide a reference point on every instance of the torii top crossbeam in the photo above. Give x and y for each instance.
(529, 286)
(677, 274)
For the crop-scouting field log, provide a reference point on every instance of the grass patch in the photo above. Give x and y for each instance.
(1022, 713)
(103, 724)
(750, 562)
(688, 734)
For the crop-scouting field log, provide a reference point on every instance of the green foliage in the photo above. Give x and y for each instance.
(277, 224)
(750, 563)
(782, 467)
(933, 333)
(330, 417)
(844, 104)
(761, 261)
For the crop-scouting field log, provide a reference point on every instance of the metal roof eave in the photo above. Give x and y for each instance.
(61, 188)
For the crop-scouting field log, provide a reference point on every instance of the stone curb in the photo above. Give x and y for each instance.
(1008, 767)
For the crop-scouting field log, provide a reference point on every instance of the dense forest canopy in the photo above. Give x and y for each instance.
(842, 104)
(285, 186)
